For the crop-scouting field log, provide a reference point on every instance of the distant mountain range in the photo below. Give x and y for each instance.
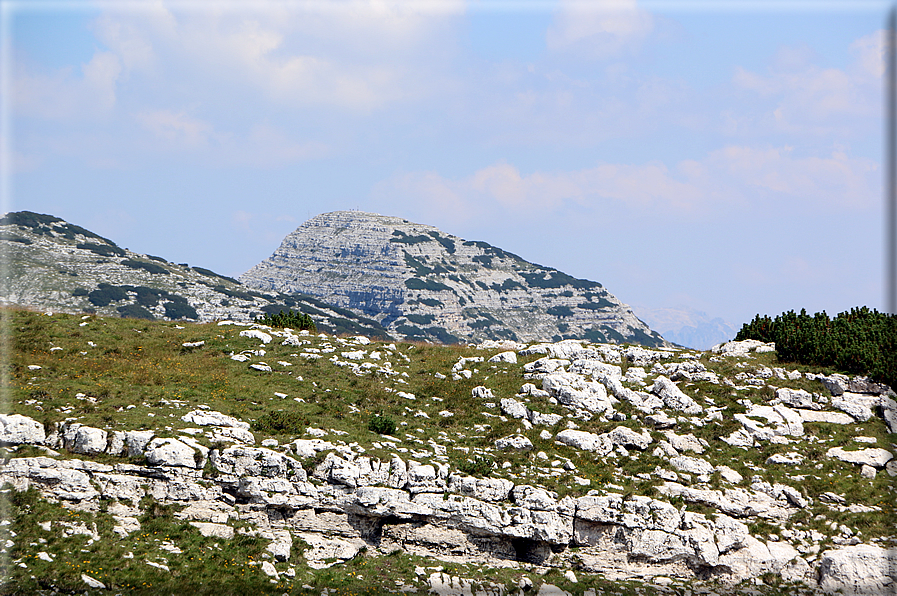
(52, 264)
(421, 283)
(689, 327)
(353, 273)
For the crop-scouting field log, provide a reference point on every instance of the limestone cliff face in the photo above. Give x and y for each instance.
(421, 283)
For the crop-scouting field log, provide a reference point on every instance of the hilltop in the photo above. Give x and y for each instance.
(55, 265)
(231, 458)
(421, 283)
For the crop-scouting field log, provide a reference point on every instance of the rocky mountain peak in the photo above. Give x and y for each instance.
(421, 283)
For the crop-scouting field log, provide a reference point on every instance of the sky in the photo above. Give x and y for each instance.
(722, 157)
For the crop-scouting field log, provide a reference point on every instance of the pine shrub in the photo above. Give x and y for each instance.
(288, 318)
(382, 425)
(859, 341)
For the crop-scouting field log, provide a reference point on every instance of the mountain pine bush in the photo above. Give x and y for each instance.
(860, 341)
(288, 318)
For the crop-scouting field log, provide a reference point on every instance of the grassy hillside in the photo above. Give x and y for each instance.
(122, 374)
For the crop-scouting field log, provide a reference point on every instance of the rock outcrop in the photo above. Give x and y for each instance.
(419, 282)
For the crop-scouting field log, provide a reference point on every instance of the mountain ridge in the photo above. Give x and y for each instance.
(52, 264)
(422, 283)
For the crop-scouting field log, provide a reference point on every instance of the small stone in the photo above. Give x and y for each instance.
(516, 442)
(93, 583)
(269, 569)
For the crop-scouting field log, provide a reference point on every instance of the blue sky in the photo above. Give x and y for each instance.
(722, 157)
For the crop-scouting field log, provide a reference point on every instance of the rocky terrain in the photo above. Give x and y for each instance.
(232, 457)
(51, 264)
(421, 283)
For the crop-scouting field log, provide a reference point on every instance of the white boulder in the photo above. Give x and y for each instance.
(673, 397)
(171, 452)
(510, 357)
(514, 442)
(859, 569)
(256, 334)
(876, 457)
(16, 429)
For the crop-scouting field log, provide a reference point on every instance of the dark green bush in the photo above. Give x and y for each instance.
(560, 311)
(420, 319)
(415, 283)
(288, 318)
(280, 423)
(105, 293)
(860, 341)
(104, 250)
(151, 267)
(382, 425)
(149, 296)
(178, 308)
(479, 466)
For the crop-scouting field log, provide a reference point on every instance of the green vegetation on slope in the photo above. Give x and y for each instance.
(121, 374)
(859, 341)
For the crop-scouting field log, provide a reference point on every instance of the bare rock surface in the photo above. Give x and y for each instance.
(389, 269)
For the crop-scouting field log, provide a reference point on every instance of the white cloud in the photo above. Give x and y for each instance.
(836, 180)
(801, 97)
(62, 94)
(760, 178)
(356, 55)
(178, 128)
(598, 29)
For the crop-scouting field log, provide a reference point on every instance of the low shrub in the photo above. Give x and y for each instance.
(479, 466)
(382, 425)
(280, 423)
(859, 341)
(151, 267)
(288, 318)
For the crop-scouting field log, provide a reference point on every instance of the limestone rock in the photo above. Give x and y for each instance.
(876, 457)
(692, 465)
(84, 439)
(673, 397)
(172, 452)
(626, 437)
(795, 398)
(487, 489)
(257, 461)
(860, 569)
(388, 268)
(514, 442)
(510, 357)
(137, 440)
(573, 390)
(585, 441)
(16, 429)
(212, 418)
(214, 530)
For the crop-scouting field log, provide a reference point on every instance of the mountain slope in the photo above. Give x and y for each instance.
(421, 283)
(52, 264)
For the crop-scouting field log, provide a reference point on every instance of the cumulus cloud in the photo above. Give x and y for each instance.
(356, 55)
(599, 28)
